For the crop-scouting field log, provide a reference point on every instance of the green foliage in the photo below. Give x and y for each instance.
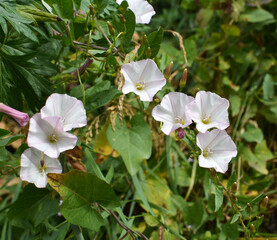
(144, 182)
(134, 143)
(79, 192)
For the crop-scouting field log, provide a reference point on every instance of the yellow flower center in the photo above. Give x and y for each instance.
(206, 120)
(53, 138)
(140, 86)
(207, 152)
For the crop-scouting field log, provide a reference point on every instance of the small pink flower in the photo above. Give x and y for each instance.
(21, 117)
(48, 136)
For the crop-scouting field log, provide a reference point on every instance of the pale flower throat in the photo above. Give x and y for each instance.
(180, 120)
(206, 119)
(207, 152)
(53, 138)
(140, 85)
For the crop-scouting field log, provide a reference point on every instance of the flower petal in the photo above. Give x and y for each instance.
(69, 109)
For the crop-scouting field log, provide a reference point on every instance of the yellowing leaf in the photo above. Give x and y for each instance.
(102, 145)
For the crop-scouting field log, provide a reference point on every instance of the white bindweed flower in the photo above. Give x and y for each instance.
(21, 117)
(143, 78)
(172, 112)
(142, 10)
(209, 110)
(34, 167)
(47, 135)
(217, 149)
(69, 109)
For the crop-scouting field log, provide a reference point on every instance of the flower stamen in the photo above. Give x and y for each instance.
(206, 120)
(53, 138)
(180, 120)
(140, 85)
(207, 152)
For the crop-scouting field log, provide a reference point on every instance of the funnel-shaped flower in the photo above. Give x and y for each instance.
(172, 111)
(217, 149)
(69, 109)
(142, 10)
(21, 117)
(143, 78)
(209, 110)
(47, 135)
(34, 167)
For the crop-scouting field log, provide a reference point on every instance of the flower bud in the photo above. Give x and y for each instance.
(252, 229)
(21, 117)
(168, 70)
(264, 203)
(122, 19)
(91, 9)
(234, 187)
(181, 133)
(183, 80)
(111, 28)
(144, 39)
(148, 52)
(248, 207)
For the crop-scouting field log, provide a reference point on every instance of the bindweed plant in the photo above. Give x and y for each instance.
(148, 120)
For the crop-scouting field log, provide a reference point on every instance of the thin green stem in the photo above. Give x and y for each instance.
(193, 174)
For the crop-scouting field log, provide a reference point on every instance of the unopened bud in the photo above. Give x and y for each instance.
(168, 70)
(181, 133)
(252, 229)
(144, 39)
(111, 28)
(264, 203)
(91, 9)
(249, 208)
(122, 19)
(183, 80)
(148, 52)
(234, 198)
(234, 187)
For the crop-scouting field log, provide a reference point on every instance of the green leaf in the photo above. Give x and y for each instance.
(79, 191)
(191, 50)
(262, 151)
(268, 87)
(32, 207)
(256, 15)
(64, 8)
(253, 134)
(218, 192)
(154, 42)
(235, 102)
(4, 156)
(4, 132)
(235, 218)
(130, 27)
(99, 99)
(8, 140)
(253, 161)
(134, 143)
(230, 231)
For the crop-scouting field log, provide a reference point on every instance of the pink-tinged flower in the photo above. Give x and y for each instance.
(21, 117)
(217, 149)
(69, 109)
(47, 135)
(143, 78)
(142, 10)
(209, 110)
(172, 112)
(34, 167)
